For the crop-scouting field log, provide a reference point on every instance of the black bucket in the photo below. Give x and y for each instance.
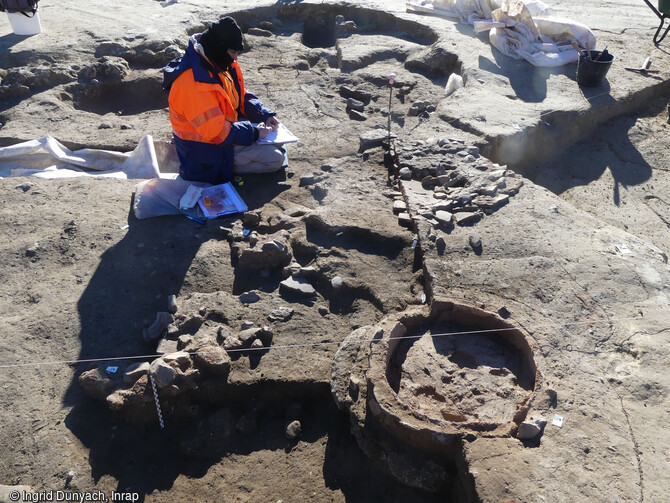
(591, 73)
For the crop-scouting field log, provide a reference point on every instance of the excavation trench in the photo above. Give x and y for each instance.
(560, 130)
(485, 376)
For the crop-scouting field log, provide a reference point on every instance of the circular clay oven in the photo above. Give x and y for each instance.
(459, 370)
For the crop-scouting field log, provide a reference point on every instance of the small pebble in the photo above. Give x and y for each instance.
(476, 243)
(293, 430)
(249, 297)
(25, 187)
(355, 115)
(307, 179)
(441, 245)
(172, 304)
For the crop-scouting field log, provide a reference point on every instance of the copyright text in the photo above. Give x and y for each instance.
(77, 497)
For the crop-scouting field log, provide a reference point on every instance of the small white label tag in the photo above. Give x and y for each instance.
(558, 421)
(623, 249)
(190, 197)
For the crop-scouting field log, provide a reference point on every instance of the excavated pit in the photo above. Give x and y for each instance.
(462, 376)
(342, 45)
(421, 383)
(457, 371)
(128, 97)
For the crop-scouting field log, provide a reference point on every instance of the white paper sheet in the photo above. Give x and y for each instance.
(279, 136)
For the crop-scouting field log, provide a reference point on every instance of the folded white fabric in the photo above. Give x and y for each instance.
(518, 29)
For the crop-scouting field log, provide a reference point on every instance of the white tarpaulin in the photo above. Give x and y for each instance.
(159, 193)
(47, 158)
(518, 29)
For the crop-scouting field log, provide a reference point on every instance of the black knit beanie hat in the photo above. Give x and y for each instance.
(218, 38)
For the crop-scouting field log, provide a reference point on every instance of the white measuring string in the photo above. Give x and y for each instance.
(316, 344)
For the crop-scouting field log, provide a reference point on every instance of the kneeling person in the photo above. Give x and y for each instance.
(210, 110)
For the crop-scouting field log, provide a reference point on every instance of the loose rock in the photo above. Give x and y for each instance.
(441, 245)
(213, 359)
(270, 253)
(373, 138)
(258, 32)
(31, 251)
(281, 314)
(249, 335)
(156, 329)
(476, 243)
(307, 179)
(293, 430)
(184, 341)
(297, 285)
(180, 358)
(232, 343)
(531, 428)
(172, 304)
(162, 373)
(266, 336)
(354, 104)
(135, 371)
(96, 383)
(444, 217)
(25, 187)
(249, 297)
(356, 115)
(474, 151)
(357, 94)
(251, 218)
(466, 217)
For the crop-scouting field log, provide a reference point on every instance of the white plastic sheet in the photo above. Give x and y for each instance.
(158, 197)
(47, 158)
(518, 29)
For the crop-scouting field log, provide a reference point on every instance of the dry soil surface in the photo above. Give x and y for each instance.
(82, 277)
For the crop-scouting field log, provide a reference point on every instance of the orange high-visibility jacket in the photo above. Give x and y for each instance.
(203, 111)
(210, 112)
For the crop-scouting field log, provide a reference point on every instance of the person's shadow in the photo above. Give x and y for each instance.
(131, 284)
(608, 149)
(528, 82)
